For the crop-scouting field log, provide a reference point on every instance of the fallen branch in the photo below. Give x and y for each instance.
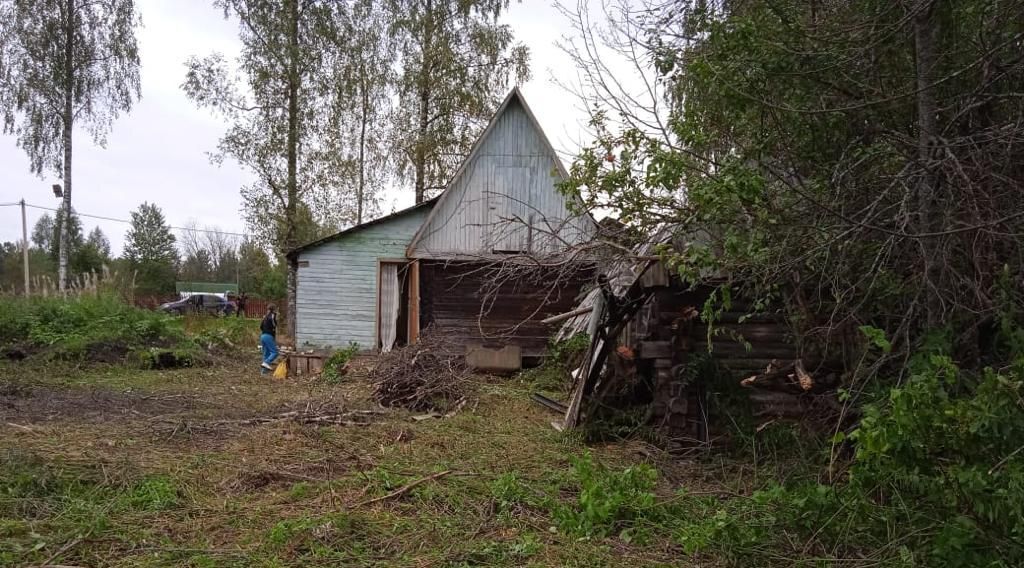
(405, 489)
(63, 549)
(303, 417)
(350, 418)
(25, 428)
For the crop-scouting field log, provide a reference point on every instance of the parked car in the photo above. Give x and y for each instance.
(210, 304)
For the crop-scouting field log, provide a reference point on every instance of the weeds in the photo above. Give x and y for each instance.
(335, 364)
(608, 500)
(155, 493)
(563, 356)
(937, 480)
(104, 329)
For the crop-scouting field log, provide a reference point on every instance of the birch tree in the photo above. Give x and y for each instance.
(359, 122)
(275, 104)
(455, 62)
(65, 63)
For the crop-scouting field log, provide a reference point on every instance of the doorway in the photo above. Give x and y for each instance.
(392, 304)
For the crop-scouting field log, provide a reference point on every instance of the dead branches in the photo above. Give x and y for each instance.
(351, 418)
(404, 489)
(790, 392)
(429, 375)
(307, 416)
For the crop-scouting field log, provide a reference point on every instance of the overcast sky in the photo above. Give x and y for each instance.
(159, 152)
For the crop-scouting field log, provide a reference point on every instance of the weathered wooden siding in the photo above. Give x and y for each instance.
(337, 291)
(505, 199)
(452, 304)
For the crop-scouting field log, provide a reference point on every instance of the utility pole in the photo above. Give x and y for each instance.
(24, 246)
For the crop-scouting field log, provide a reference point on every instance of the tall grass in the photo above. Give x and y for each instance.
(78, 322)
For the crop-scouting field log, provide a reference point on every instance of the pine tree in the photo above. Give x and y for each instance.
(253, 266)
(99, 242)
(149, 250)
(65, 63)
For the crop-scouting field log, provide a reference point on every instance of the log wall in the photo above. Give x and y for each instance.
(452, 303)
(668, 334)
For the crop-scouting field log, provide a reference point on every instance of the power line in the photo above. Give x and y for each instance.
(116, 220)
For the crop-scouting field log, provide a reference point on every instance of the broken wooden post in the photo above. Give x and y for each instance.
(573, 413)
(568, 315)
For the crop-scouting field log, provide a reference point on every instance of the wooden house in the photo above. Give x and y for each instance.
(381, 283)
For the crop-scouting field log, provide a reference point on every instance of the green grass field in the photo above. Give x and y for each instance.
(107, 466)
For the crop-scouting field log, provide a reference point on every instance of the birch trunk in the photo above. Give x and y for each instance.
(68, 120)
(424, 119)
(293, 146)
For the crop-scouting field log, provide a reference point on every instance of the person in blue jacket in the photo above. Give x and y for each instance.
(268, 337)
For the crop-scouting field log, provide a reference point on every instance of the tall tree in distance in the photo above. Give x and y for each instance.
(456, 61)
(98, 242)
(65, 63)
(149, 250)
(43, 232)
(70, 232)
(276, 108)
(93, 253)
(358, 124)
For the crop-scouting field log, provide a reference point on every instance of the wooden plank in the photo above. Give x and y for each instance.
(568, 315)
(414, 302)
(572, 415)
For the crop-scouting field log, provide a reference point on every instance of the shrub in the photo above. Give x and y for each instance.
(937, 480)
(608, 500)
(102, 328)
(77, 327)
(332, 372)
(563, 357)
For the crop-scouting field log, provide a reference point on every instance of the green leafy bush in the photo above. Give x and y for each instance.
(85, 327)
(563, 357)
(937, 480)
(332, 372)
(608, 500)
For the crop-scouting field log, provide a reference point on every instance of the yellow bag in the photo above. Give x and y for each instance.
(281, 372)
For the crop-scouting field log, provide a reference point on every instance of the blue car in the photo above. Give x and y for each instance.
(209, 304)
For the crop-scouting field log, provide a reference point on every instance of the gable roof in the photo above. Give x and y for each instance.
(514, 94)
(295, 251)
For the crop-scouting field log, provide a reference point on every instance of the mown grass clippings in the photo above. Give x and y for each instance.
(285, 494)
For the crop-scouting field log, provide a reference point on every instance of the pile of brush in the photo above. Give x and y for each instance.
(429, 375)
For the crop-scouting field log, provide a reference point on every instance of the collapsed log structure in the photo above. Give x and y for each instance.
(648, 336)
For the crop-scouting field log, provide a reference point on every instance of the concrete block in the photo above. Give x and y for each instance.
(506, 360)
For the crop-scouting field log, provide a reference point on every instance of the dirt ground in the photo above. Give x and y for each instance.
(222, 466)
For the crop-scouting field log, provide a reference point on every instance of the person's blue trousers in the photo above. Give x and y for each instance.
(269, 346)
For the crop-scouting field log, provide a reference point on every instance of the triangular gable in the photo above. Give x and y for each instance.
(514, 95)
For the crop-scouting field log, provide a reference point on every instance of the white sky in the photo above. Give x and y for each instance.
(158, 153)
